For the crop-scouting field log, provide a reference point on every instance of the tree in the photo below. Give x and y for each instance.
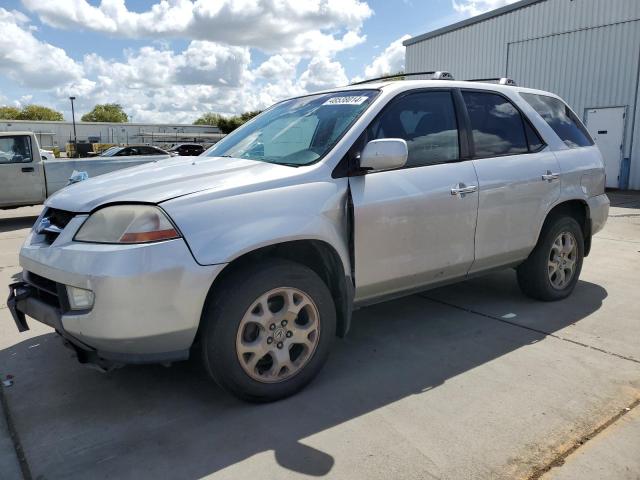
(208, 119)
(38, 112)
(106, 112)
(225, 124)
(30, 112)
(9, 113)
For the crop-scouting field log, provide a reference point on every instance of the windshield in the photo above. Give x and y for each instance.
(110, 152)
(296, 132)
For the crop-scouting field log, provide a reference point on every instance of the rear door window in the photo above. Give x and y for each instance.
(561, 119)
(498, 127)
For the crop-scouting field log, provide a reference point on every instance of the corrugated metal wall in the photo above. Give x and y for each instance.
(591, 68)
(586, 51)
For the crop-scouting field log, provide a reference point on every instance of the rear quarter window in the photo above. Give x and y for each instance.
(561, 119)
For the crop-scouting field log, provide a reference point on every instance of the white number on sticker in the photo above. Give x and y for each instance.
(352, 100)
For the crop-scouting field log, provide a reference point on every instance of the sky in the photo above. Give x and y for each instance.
(174, 60)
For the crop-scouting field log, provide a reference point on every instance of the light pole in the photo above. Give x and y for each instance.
(73, 118)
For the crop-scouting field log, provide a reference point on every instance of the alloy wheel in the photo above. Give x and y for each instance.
(278, 335)
(562, 260)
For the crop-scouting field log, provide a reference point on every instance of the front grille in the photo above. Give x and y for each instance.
(44, 289)
(56, 221)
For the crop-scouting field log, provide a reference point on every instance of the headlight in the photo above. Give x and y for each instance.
(127, 224)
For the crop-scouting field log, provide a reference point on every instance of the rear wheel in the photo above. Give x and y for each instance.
(268, 330)
(552, 270)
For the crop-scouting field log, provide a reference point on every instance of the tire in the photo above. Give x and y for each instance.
(247, 309)
(541, 280)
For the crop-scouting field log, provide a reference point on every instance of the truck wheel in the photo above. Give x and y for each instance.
(268, 330)
(552, 269)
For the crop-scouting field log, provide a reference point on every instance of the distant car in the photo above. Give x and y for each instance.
(132, 150)
(47, 154)
(187, 149)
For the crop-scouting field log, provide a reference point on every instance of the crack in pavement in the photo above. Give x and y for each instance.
(559, 460)
(537, 330)
(13, 433)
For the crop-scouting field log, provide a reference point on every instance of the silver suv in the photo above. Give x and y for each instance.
(253, 256)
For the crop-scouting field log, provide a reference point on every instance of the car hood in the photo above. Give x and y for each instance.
(162, 180)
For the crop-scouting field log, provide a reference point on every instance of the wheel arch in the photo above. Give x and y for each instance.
(578, 209)
(319, 256)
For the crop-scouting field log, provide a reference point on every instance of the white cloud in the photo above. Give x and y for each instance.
(209, 63)
(321, 74)
(278, 67)
(201, 63)
(159, 83)
(23, 100)
(164, 85)
(388, 62)
(28, 61)
(476, 7)
(302, 26)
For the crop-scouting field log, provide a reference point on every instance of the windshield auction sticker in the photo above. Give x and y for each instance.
(352, 100)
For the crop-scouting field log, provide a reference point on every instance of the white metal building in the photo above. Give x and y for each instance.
(58, 134)
(586, 51)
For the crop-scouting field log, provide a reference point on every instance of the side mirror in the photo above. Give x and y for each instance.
(384, 154)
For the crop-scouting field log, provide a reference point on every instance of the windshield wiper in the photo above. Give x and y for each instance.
(275, 162)
(287, 164)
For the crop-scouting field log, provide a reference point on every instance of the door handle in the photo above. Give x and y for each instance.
(27, 169)
(462, 189)
(550, 177)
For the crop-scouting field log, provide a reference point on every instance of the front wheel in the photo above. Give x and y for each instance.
(552, 270)
(268, 330)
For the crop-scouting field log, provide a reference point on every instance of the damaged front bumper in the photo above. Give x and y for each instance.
(23, 302)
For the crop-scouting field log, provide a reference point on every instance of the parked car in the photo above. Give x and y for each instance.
(254, 256)
(47, 154)
(133, 150)
(28, 174)
(187, 149)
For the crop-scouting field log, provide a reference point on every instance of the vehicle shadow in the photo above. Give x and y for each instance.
(17, 223)
(156, 422)
(624, 198)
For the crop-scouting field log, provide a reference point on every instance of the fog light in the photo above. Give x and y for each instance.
(79, 298)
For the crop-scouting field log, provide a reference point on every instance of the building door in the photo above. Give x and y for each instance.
(606, 126)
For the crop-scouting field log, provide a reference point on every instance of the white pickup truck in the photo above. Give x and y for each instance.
(28, 178)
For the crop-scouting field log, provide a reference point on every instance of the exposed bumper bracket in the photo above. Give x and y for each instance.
(18, 291)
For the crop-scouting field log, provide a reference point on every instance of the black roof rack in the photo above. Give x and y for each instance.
(498, 80)
(439, 75)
